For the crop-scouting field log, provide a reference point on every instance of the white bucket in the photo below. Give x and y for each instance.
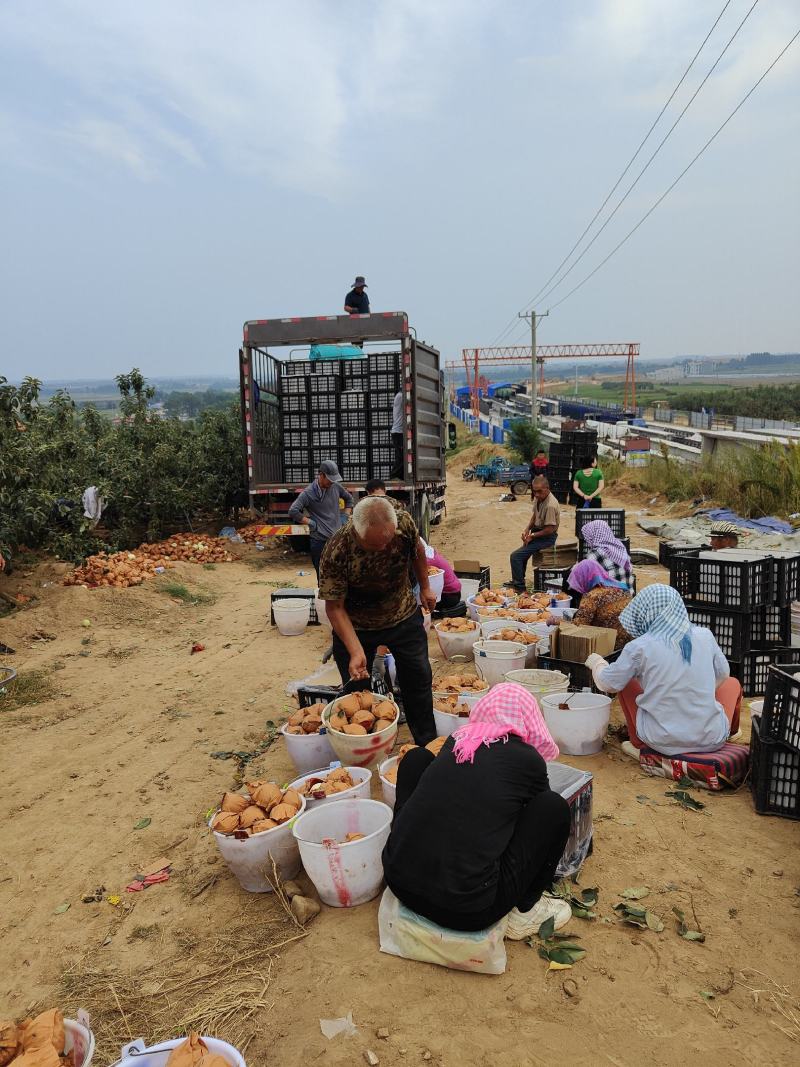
(364, 750)
(469, 587)
(456, 644)
(560, 606)
(539, 682)
(388, 789)
(250, 859)
(291, 616)
(360, 775)
(322, 610)
(344, 874)
(470, 698)
(436, 582)
(579, 730)
(79, 1039)
(137, 1055)
(494, 658)
(447, 723)
(756, 708)
(308, 751)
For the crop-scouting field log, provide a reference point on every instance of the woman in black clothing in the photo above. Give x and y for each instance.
(477, 831)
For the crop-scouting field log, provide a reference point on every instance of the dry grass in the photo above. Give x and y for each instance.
(220, 988)
(27, 689)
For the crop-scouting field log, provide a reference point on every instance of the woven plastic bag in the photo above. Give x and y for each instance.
(9, 1040)
(404, 933)
(44, 1056)
(45, 1029)
(194, 1052)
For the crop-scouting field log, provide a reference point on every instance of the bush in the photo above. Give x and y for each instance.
(524, 440)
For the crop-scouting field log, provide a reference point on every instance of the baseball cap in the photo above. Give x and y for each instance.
(330, 470)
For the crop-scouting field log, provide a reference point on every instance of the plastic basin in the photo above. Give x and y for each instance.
(137, 1055)
(436, 582)
(469, 587)
(79, 1039)
(470, 699)
(308, 751)
(538, 682)
(457, 644)
(365, 750)
(362, 776)
(447, 723)
(344, 875)
(578, 730)
(560, 607)
(322, 610)
(494, 658)
(388, 788)
(250, 858)
(291, 616)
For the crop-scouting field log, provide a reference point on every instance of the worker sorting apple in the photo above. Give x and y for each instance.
(365, 579)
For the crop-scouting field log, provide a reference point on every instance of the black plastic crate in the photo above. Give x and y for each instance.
(294, 594)
(354, 472)
(561, 495)
(294, 439)
(384, 361)
(354, 455)
(484, 576)
(578, 438)
(298, 474)
(324, 383)
(293, 384)
(355, 369)
(325, 439)
(381, 456)
(294, 402)
(354, 438)
(353, 400)
(753, 670)
(787, 579)
(668, 549)
(738, 633)
(580, 676)
(292, 368)
(740, 586)
(780, 720)
(380, 405)
(352, 420)
(385, 381)
(380, 436)
(294, 420)
(546, 576)
(319, 455)
(774, 776)
(296, 457)
(324, 419)
(615, 517)
(583, 548)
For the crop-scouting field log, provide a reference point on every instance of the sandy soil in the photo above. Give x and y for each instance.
(127, 733)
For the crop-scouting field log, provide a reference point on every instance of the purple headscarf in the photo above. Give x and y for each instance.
(588, 573)
(599, 536)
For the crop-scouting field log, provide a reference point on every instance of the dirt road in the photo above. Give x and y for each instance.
(122, 730)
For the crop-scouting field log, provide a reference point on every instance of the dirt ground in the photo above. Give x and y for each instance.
(123, 730)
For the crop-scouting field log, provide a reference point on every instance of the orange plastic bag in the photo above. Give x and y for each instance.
(45, 1029)
(9, 1039)
(194, 1052)
(45, 1056)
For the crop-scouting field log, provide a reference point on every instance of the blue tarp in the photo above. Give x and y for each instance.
(336, 352)
(769, 522)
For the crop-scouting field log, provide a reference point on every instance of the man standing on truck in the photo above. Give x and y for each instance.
(365, 579)
(397, 437)
(318, 508)
(540, 533)
(357, 302)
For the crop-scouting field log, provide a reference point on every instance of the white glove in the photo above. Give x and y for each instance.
(597, 665)
(594, 660)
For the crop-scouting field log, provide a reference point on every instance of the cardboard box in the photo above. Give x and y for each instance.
(471, 568)
(575, 643)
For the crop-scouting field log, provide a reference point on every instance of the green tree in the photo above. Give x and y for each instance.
(524, 440)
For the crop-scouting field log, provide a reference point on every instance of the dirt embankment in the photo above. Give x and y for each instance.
(123, 728)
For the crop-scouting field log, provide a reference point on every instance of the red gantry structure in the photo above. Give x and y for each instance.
(511, 355)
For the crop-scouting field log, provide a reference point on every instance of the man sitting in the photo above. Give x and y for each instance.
(541, 532)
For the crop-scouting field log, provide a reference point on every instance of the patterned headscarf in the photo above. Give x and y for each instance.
(506, 709)
(599, 535)
(659, 610)
(588, 573)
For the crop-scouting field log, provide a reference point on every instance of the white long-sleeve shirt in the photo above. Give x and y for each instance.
(397, 413)
(677, 709)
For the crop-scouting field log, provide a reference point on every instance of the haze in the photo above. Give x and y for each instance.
(171, 170)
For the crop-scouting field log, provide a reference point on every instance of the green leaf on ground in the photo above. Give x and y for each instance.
(682, 797)
(683, 928)
(590, 897)
(546, 929)
(636, 892)
(61, 909)
(653, 922)
(142, 824)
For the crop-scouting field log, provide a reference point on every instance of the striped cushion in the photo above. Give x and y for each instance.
(727, 766)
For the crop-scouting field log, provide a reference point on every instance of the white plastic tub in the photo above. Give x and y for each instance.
(493, 659)
(79, 1039)
(308, 751)
(472, 607)
(578, 730)
(455, 645)
(560, 606)
(365, 750)
(362, 776)
(291, 616)
(446, 723)
(136, 1054)
(322, 610)
(756, 708)
(388, 789)
(344, 875)
(469, 587)
(250, 859)
(436, 582)
(539, 682)
(470, 698)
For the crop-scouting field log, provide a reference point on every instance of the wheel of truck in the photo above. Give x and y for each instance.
(520, 488)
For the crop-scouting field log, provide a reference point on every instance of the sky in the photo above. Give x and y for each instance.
(171, 170)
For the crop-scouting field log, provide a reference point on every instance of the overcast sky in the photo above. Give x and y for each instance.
(171, 169)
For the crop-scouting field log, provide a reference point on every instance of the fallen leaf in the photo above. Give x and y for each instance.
(559, 966)
(636, 893)
(142, 824)
(61, 909)
(706, 994)
(653, 921)
(546, 929)
(683, 798)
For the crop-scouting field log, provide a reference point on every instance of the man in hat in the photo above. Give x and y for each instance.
(357, 302)
(724, 535)
(318, 508)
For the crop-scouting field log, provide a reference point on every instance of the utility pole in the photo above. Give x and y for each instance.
(532, 315)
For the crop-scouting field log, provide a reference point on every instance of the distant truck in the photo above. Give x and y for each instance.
(298, 410)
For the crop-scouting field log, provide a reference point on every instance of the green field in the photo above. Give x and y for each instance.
(646, 393)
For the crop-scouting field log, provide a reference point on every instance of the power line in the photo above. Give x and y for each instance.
(514, 321)
(663, 141)
(688, 167)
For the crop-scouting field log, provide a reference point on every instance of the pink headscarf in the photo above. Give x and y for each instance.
(506, 709)
(588, 573)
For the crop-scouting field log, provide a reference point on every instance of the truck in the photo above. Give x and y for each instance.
(298, 410)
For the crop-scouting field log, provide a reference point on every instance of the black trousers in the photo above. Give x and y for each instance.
(397, 466)
(317, 545)
(408, 643)
(527, 867)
